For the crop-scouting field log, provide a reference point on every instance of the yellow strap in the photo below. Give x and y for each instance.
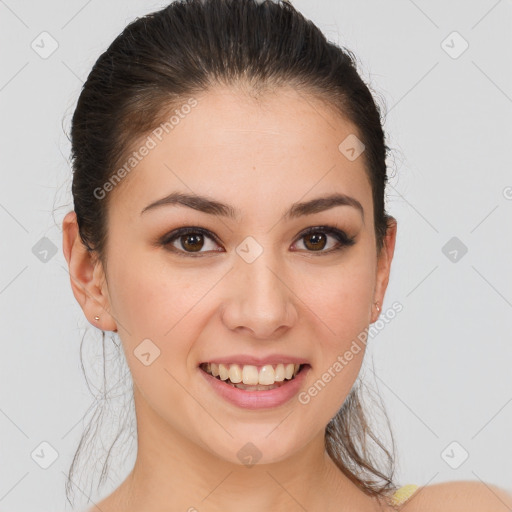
(403, 494)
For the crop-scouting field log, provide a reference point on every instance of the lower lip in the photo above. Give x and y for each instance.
(258, 399)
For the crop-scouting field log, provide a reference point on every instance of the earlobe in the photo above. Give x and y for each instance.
(86, 276)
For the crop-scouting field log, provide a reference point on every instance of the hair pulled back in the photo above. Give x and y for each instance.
(158, 63)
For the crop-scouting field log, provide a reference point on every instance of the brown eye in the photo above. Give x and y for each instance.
(316, 239)
(193, 242)
(190, 241)
(187, 241)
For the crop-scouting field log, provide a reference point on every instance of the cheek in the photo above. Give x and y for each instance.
(149, 297)
(342, 298)
(342, 301)
(342, 305)
(155, 303)
(165, 305)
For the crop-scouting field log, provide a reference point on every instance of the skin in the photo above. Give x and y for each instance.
(260, 157)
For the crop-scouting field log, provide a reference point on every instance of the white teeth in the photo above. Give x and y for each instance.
(249, 374)
(279, 373)
(235, 374)
(223, 372)
(267, 375)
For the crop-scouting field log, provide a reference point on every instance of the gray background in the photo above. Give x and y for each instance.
(442, 365)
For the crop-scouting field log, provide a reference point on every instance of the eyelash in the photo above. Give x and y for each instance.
(343, 239)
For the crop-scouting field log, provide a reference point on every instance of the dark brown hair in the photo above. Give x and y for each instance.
(162, 59)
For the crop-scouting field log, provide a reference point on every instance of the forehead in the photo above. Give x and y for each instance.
(282, 146)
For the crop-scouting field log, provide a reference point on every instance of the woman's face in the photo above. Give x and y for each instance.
(249, 286)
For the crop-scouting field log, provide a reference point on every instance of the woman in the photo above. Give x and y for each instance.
(229, 225)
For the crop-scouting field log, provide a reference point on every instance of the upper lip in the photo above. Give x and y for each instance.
(257, 361)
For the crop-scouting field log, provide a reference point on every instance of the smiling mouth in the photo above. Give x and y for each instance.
(253, 378)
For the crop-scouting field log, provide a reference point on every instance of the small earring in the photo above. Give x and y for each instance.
(96, 318)
(377, 304)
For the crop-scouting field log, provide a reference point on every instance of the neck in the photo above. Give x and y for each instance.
(173, 473)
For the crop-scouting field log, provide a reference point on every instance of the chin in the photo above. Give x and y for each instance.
(253, 446)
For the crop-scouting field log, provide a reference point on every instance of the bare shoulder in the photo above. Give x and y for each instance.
(460, 496)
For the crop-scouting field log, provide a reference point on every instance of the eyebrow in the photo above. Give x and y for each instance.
(212, 207)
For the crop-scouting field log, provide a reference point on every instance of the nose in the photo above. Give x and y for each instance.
(260, 298)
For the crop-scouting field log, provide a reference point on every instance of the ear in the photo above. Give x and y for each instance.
(383, 267)
(87, 277)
